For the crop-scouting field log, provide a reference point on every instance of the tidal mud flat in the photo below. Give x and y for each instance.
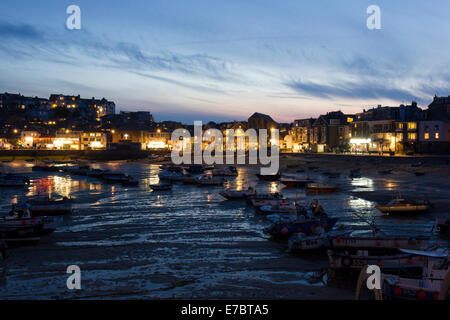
(132, 243)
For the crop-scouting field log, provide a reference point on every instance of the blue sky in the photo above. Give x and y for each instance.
(224, 60)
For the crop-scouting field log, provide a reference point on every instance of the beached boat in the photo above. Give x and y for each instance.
(269, 177)
(261, 199)
(188, 179)
(209, 180)
(321, 187)
(434, 283)
(195, 169)
(171, 175)
(97, 173)
(381, 243)
(22, 231)
(404, 206)
(238, 194)
(282, 207)
(13, 181)
(395, 262)
(161, 187)
(46, 207)
(226, 172)
(295, 183)
(312, 240)
(304, 224)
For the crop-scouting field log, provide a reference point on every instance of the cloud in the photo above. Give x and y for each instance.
(351, 90)
(19, 31)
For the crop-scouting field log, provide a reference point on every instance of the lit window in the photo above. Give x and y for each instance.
(412, 136)
(412, 125)
(400, 125)
(427, 136)
(436, 135)
(349, 119)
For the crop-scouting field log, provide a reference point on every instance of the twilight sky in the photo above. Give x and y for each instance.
(222, 60)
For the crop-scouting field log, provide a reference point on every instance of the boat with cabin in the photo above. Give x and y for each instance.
(400, 205)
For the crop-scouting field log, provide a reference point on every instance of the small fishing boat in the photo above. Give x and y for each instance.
(79, 170)
(47, 207)
(13, 181)
(292, 183)
(264, 199)
(171, 175)
(321, 187)
(226, 172)
(433, 284)
(22, 231)
(195, 169)
(404, 206)
(209, 180)
(188, 179)
(303, 224)
(269, 177)
(161, 187)
(116, 177)
(312, 240)
(282, 207)
(97, 173)
(237, 195)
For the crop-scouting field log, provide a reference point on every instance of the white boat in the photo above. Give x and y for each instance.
(404, 206)
(45, 207)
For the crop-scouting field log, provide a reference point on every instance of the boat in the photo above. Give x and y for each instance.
(115, 177)
(188, 180)
(311, 241)
(443, 226)
(295, 183)
(342, 261)
(378, 242)
(404, 206)
(320, 187)
(264, 199)
(46, 207)
(97, 173)
(226, 172)
(79, 170)
(285, 230)
(284, 207)
(161, 187)
(171, 175)
(209, 180)
(238, 194)
(22, 231)
(269, 177)
(195, 169)
(13, 181)
(419, 174)
(433, 284)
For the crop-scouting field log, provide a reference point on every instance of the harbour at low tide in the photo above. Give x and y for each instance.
(131, 242)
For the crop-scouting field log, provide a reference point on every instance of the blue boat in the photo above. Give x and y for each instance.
(283, 230)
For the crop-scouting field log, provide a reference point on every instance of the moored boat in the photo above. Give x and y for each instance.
(404, 206)
(283, 230)
(238, 194)
(320, 187)
(269, 177)
(229, 171)
(161, 187)
(47, 207)
(209, 180)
